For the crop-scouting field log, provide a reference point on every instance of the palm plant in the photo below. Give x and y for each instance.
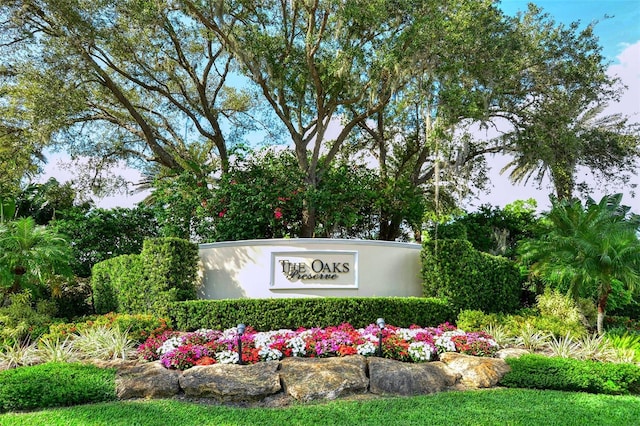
(588, 250)
(30, 255)
(565, 135)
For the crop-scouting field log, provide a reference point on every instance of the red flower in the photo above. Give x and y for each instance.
(205, 360)
(277, 213)
(345, 350)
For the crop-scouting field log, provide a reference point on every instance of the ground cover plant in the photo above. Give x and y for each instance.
(413, 344)
(566, 374)
(55, 384)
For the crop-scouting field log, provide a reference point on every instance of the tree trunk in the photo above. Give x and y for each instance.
(389, 226)
(563, 182)
(308, 220)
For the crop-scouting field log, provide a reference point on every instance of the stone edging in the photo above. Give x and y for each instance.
(309, 379)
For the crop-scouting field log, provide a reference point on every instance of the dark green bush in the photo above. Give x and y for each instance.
(171, 265)
(631, 310)
(469, 279)
(74, 298)
(273, 314)
(54, 385)
(567, 374)
(164, 272)
(119, 285)
(104, 293)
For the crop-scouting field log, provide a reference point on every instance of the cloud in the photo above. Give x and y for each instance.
(628, 71)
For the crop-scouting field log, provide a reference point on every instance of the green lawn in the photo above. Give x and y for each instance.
(486, 407)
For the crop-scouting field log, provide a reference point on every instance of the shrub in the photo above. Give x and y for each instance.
(104, 293)
(55, 384)
(469, 279)
(565, 374)
(171, 266)
(274, 314)
(20, 321)
(164, 272)
(139, 326)
(475, 320)
(74, 298)
(105, 343)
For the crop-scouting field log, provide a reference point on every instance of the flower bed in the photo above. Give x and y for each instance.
(414, 344)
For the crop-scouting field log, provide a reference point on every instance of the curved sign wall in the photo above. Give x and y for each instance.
(309, 267)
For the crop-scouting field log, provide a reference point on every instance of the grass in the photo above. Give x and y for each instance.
(486, 407)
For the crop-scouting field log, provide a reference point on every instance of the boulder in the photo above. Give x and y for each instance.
(476, 372)
(307, 379)
(146, 380)
(511, 353)
(232, 382)
(391, 377)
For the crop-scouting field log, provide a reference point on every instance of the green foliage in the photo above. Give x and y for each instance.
(74, 298)
(30, 255)
(274, 314)
(540, 372)
(106, 343)
(138, 326)
(476, 320)
(559, 307)
(632, 310)
(589, 250)
(7, 208)
(170, 267)
(110, 277)
(43, 202)
(494, 230)
(101, 234)
(164, 272)
(22, 320)
(469, 279)
(55, 385)
(262, 196)
(104, 294)
(182, 205)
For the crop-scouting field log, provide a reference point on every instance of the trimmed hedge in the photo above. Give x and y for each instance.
(55, 385)
(171, 267)
(468, 278)
(164, 272)
(274, 314)
(567, 374)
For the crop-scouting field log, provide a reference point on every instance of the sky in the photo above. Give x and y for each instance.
(618, 29)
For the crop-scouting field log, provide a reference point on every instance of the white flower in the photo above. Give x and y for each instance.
(408, 334)
(366, 349)
(227, 357)
(297, 346)
(445, 344)
(269, 354)
(420, 351)
(169, 345)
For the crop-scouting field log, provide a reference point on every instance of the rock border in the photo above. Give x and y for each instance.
(276, 383)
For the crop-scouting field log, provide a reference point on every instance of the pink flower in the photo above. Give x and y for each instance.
(277, 213)
(222, 213)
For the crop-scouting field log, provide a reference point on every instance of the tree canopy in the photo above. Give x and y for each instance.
(176, 88)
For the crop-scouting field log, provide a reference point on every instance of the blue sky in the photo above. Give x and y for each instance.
(615, 33)
(618, 29)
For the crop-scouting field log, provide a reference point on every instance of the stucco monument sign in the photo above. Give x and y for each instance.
(308, 268)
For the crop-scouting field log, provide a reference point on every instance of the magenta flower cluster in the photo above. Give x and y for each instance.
(414, 344)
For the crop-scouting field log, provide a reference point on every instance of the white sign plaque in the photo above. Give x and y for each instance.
(314, 269)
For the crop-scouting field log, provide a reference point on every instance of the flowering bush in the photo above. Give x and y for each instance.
(413, 344)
